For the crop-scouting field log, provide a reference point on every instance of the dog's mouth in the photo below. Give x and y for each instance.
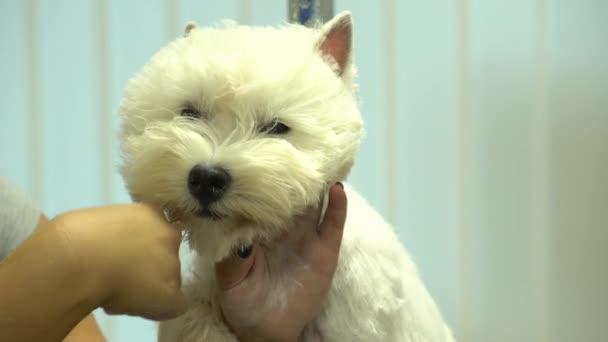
(215, 215)
(210, 214)
(178, 214)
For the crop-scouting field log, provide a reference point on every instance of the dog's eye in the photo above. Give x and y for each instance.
(276, 128)
(190, 112)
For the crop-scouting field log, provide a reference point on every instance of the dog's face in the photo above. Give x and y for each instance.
(242, 126)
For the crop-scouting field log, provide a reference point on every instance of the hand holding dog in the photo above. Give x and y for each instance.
(132, 253)
(123, 258)
(239, 278)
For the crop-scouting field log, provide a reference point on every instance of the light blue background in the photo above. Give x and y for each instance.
(486, 134)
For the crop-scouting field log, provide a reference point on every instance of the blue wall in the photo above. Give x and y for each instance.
(468, 105)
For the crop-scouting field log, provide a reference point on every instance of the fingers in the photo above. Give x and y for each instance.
(233, 270)
(332, 227)
(317, 211)
(308, 225)
(311, 218)
(176, 303)
(169, 302)
(175, 233)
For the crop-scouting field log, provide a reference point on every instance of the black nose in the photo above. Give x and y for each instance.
(208, 184)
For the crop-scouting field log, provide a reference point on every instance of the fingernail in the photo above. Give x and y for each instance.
(340, 185)
(244, 251)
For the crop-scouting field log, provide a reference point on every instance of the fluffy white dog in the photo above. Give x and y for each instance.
(236, 130)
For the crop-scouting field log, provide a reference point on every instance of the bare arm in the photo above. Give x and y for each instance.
(76, 262)
(87, 329)
(43, 292)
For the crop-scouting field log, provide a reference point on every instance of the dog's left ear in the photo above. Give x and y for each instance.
(335, 41)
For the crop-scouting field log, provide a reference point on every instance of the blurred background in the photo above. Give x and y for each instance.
(487, 139)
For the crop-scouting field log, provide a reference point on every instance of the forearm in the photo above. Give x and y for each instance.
(43, 292)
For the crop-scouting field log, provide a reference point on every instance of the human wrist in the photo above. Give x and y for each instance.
(79, 265)
(44, 270)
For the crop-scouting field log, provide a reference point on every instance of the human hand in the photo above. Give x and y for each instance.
(131, 254)
(239, 278)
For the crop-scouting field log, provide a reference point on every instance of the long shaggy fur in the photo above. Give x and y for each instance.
(242, 79)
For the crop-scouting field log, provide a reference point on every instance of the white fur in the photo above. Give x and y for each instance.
(241, 78)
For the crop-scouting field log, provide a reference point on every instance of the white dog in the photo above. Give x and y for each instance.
(238, 129)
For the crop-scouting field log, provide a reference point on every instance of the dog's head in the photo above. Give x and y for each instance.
(240, 126)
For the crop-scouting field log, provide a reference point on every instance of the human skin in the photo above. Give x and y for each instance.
(124, 259)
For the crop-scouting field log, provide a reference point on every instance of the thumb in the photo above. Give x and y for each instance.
(332, 227)
(234, 269)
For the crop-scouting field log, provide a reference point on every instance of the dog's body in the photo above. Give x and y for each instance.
(236, 130)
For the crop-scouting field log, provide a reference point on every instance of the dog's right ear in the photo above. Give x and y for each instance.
(335, 41)
(191, 25)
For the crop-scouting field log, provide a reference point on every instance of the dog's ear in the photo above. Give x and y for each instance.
(335, 41)
(189, 28)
